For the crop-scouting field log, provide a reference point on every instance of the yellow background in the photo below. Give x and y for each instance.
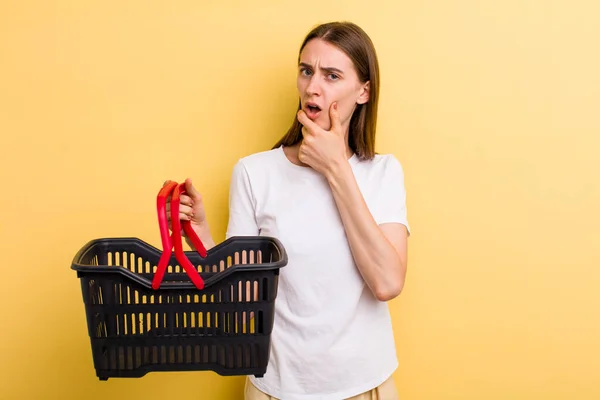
(492, 107)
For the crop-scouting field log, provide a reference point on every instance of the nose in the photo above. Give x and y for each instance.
(313, 88)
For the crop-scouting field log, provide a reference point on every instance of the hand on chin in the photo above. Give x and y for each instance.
(322, 148)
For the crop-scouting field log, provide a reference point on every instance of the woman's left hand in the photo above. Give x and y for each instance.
(321, 149)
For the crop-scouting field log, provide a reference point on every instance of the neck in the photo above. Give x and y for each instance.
(291, 153)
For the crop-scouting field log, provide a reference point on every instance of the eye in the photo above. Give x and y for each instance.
(334, 77)
(305, 71)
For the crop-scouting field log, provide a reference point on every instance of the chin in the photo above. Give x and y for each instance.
(326, 125)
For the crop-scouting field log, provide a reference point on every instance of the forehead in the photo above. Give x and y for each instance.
(324, 54)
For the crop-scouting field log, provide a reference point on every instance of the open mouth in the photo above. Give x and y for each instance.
(312, 110)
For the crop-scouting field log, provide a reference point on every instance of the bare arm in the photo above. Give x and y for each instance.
(380, 251)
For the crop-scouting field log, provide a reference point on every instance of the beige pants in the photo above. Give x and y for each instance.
(385, 391)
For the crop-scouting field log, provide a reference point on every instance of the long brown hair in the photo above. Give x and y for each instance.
(357, 45)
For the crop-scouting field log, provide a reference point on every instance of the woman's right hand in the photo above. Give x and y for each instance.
(191, 208)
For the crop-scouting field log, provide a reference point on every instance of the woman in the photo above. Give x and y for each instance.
(339, 210)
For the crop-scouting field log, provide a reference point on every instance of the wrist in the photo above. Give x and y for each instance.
(200, 227)
(202, 230)
(338, 170)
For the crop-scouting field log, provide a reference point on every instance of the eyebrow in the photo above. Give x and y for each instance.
(327, 69)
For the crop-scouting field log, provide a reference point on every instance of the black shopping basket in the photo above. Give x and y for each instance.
(149, 310)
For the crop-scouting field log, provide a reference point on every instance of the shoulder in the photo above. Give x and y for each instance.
(383, 165)
(261, 159)
(257, 166)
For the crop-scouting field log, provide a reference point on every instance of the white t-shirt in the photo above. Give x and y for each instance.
(331, 338)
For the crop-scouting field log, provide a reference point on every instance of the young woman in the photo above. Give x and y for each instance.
(340, 211)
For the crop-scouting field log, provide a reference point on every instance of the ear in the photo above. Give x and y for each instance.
(364, 93)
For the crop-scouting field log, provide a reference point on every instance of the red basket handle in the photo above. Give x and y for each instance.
(174, 240)
(167, 244)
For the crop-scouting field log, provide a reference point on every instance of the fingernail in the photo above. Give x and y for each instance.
(335, 106)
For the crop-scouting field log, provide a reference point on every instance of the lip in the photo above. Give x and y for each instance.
(311, 113)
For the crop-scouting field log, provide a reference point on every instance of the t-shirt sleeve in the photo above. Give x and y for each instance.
(392, 195)
(242, 220)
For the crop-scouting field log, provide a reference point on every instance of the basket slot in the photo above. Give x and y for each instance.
(164, 354)
(99, 326)
(265, 290)
(230, 356)
(132, 323)
(260, 322)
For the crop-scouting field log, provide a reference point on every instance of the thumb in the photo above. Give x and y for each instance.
(334, 116)
(191, 190)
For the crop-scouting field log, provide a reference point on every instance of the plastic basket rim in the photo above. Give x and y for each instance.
(84, 269)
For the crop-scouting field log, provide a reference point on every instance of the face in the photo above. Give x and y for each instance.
(326, 75)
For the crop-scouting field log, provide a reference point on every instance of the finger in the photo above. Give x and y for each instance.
(302, 152)
(307, 123)
(183, 210)
(308, 140)
(305, 134)
(184, 217)
(334, 115)
(187, 210)
(191, 190)
(186, 200)
(303, 144)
